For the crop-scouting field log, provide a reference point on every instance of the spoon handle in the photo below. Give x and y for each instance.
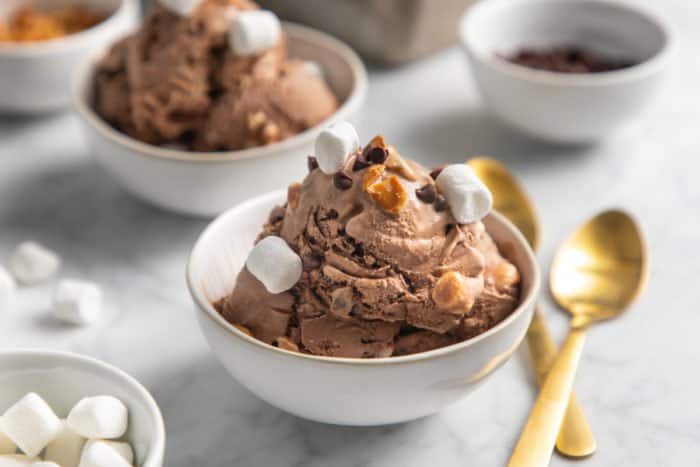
(534, 449)
(575, 436)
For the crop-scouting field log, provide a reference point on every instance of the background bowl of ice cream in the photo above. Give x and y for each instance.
(344, 390)
(565, 107)
(36, 75)
(207, 183)
(62, 379)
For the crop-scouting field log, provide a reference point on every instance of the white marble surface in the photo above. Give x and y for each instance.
(638, 380)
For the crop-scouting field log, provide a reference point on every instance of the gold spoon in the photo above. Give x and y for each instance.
(597, 273)
(510, 199)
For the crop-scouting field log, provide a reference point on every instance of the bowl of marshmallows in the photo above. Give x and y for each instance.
(65, 410)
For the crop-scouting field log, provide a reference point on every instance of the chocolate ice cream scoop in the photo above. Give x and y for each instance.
(177, 80)
(386, 270)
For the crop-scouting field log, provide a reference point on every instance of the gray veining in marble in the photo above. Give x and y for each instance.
(638, 380)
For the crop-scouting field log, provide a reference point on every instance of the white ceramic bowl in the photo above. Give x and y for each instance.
(62, 379)
(36, 75)
(559, 107)
(208, 183)
(347, 391)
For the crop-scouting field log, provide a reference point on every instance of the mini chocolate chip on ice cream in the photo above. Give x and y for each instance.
(386, 268)
(209, 75)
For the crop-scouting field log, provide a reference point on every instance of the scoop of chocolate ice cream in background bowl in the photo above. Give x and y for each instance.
(563, 71)
(199, 149)
(36, 73)
(323, 349)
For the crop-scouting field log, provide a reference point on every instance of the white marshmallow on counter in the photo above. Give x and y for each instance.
(32, 263)
(7, 284)
(77, 302)
(6, 444)
(274, 264)
(313, 68)
(334, 144)
(180, 7)
(469, 199)
(16, 460)
(44, 464)
(124, 449)
(252, 32)
(101, 417)
(102, 455)
(66, 448)
(30, 424)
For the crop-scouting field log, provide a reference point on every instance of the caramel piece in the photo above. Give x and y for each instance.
(452, 291)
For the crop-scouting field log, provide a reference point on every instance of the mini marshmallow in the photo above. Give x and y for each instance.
(6, 444)
(333, 146)
(468, 198)
(103, 417)
(274, 264)
(16, 460)
(44, 464)
(66, 448)
(102, 455)
(77, 302)
(252, 32)
(313, 68)
(7, 284)
(31, 424)
(180, 7)
(32, 263)
(124, 449)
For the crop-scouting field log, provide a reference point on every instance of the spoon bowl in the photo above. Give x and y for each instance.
(601, 268)
(509, 197)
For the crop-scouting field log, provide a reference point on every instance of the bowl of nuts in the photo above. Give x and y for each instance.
(43, 41)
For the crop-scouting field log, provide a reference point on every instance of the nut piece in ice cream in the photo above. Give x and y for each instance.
(387, 191)
(453, 291)
(384, 271)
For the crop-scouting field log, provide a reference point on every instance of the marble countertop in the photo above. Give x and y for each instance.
(639, 376)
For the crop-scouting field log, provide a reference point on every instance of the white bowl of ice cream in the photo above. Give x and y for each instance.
(62, 379)
(205, 181)
(314, 369)
(572, 107)
(36, 75)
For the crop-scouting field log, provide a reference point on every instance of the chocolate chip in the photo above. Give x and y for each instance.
(310, 262)
(360, 163)
(436, 172)
(426, 193)
(377, 155)
(342, 181)
(312, 163)
(448, 228)
(441, 204)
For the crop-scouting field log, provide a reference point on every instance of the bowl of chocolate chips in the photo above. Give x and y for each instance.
(565, 72)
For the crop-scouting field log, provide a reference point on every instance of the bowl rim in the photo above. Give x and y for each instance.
(205, 307)
(156, 449)
(77, 39)
(83, 79)
(642, 69)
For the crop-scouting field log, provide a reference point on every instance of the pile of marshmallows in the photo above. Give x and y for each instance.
(86, 438)
(74, 301)
(279, 267)
(251, 32)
